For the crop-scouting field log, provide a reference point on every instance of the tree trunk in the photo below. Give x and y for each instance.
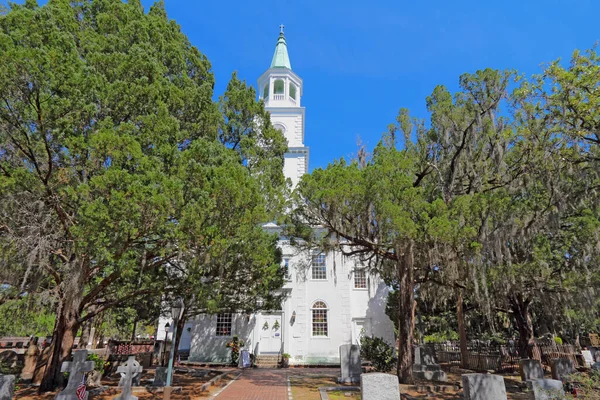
(135, 321)
(462, 331)
(63, 337)
(520, 309)
(180, 326)
(406, 316)
(66, 326)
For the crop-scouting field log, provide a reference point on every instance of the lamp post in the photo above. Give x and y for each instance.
(176, 310)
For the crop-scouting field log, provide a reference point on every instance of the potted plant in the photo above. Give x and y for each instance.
(285, 360)
(235, 344)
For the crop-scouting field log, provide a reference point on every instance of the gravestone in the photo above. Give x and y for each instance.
(91, 339)
(129, 371)
(160, 376)
(40, 366)
(350, 364)
(596, 365)
(76, 369)
(7, 386)
(588, 358)
(31, 356)
(561, 367)
(483, 387)
(424, 355)
(425, 365)
(547, 389)
(531, 370)
(379, 386)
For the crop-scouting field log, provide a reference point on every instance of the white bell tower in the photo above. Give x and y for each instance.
(281, 90)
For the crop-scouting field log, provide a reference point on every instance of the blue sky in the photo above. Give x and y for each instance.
(363, 60)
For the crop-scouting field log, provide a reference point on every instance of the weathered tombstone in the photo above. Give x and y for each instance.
(424, 355)
(596, 365)
(483, 387)
(531, 370)
(31, 356)
(76, 369)
(129, 371)
(379, 386)
(561, 367)
(11, 361)
(91, 339)
(7, 386)
(160, 376)
(40, 366)
(350, 363)
(547, 389)
(425, 365)
(588, 358)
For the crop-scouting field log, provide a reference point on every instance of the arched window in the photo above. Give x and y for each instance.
(279, 86)
(292, 91)
(319, 319)
(266, 91)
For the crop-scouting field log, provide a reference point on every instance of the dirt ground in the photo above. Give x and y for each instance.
(190, 386)
(306, 387)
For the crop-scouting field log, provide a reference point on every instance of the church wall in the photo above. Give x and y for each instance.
(207, 347)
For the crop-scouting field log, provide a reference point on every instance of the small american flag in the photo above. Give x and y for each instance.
(80, 391)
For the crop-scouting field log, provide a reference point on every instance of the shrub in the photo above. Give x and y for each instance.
(558, 340)
(99, 362)
(378, 352)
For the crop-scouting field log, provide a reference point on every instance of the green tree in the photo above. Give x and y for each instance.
(111, 168)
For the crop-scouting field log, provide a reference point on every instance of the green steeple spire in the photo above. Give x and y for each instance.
(281, 58)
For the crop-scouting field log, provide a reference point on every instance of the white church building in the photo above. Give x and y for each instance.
(329, 299)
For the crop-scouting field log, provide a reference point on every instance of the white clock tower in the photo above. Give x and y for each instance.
(281, 90)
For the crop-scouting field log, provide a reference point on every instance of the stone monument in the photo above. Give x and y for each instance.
(350, 364)
(129, 371)
(561, 367)
(31, 356)
(425, 365)
(483, 387)
(40, 366)
(7, 386)
(379, 386)
(160, 376)
(531, 370)
(547, 389)
(588, 358)
(76, 369)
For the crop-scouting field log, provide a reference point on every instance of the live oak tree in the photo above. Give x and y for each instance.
(113, 167)
(487, 202)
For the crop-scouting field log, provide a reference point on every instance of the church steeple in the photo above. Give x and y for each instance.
(281, 58)
(281, 90)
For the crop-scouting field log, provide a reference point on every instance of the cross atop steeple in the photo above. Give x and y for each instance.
(281, 58)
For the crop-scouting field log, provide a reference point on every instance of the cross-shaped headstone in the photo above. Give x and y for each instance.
(128, 372)
(281, 28)
(76, 369)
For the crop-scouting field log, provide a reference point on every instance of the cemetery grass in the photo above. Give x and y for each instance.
(306, 387)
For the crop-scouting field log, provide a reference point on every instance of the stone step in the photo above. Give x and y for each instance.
(267, 361)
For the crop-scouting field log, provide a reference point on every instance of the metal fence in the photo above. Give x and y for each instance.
(484, 356)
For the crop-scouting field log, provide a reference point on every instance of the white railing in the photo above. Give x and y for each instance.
(279, 97)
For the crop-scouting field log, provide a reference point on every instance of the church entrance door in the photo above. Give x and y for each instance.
(271, 331)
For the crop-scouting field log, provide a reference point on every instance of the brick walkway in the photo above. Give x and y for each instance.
(258, 384)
